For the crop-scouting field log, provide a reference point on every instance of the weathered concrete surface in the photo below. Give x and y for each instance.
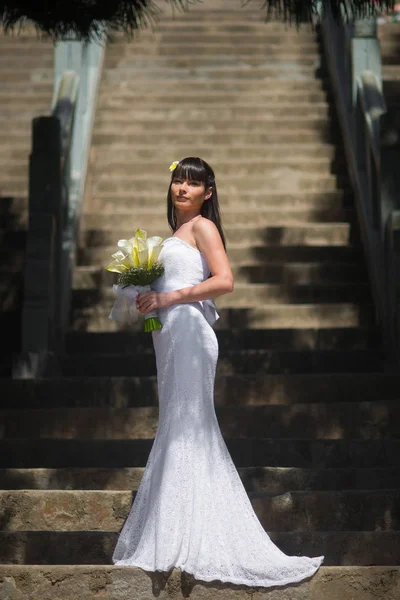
(77, 510)
(273, 480)
(345, 548)
(129, 583)
(354, 420)
(121, 392)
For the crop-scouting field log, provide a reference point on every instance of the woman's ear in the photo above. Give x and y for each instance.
(208, 194)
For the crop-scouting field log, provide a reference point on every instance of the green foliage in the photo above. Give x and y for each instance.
(83, 19)
(140, 276)
(89, 19)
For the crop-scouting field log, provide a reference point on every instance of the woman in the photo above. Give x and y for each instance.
(191, 510)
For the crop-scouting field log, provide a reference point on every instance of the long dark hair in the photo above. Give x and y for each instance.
(197, 169)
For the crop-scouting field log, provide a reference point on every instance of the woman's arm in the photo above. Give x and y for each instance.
(208, 241)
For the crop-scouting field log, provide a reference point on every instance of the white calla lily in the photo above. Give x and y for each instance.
(155, 245)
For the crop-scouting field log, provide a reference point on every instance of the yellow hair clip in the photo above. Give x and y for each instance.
(174, 165)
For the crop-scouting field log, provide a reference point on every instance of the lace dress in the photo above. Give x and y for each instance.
(191, 509)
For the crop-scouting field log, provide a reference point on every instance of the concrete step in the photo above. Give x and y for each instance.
(314, 166)
(241, 88)
(360, 420)
(291, 50)
(220, 59)
(208, 36)
(266, 209)
(365, 510)
(96, 548)
(125, 392)
(290, 274)
(316, 454)
(129, 583)
(188, 113)
(243, 254)
(141, 153)
(200, 97)
(269, 123)
(230, 137)
(271, 480)
(260, 339)
(279, 180)
(333, 234)
(231, 362)
(30, 76)
(268, 317)
(184, 76)
(247, 294)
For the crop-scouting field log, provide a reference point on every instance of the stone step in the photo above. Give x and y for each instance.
(216, 60)
(23, 60)
(271, 480)
(323, 166)
(184, 76)
(125, 392)
(201, 96)
(219, 157)
(316, 454)
(279, 180)
(17, 85)
(290, 274)
(208, 36)
(258, 339)
(365, 510)
(245, 295)
(241, 88)
(96, 548)
(360, 420)
(291, 50)
(57, 582)
(298, 316)
(242, 254)
(38, 75)
(232, 362)
(271, 123)
(333, 234)
(188, 113)
(266, 209)
(227, 138)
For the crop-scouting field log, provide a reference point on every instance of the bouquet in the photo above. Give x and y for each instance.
(137, 263)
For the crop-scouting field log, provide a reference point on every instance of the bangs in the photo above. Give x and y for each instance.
(191, 168)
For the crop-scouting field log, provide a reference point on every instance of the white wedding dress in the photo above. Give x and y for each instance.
(191, 509)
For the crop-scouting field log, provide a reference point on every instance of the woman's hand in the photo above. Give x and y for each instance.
(148, 301)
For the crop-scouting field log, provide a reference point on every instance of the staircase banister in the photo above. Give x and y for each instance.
(54, 225)
(354, 64)
(374, 106)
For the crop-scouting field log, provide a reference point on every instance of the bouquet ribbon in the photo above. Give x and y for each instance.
(124, 310)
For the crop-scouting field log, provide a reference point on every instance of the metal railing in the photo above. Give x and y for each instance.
(57, 175)
(353, 59)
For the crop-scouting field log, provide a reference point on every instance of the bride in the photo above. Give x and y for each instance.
(191, 510)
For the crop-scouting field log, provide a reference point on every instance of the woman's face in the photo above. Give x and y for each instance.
(188, 195)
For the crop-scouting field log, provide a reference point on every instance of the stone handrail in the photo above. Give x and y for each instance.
(58, 166)
(353, 59)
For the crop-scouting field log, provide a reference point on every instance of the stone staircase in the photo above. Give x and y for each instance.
(309, 416)
(26, 71)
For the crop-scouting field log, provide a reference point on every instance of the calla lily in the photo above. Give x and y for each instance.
(155, 245)
(138, 251)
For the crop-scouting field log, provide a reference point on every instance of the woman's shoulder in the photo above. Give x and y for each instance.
(204, 226)
(206, 234)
